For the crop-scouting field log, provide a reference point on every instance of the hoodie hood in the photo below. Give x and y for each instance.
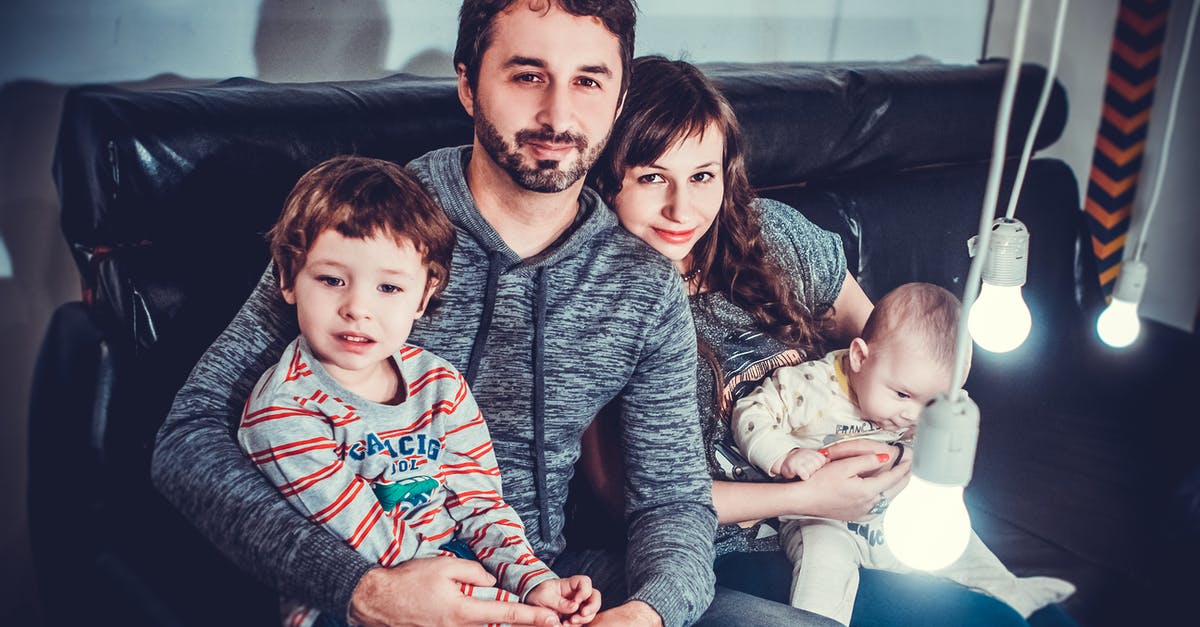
(443, 172)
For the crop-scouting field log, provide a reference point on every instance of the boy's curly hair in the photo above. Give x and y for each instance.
(361, 197)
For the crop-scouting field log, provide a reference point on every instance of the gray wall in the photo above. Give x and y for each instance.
(48, 45)
(68, 41)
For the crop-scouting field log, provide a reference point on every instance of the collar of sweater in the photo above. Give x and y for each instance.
(442, 171)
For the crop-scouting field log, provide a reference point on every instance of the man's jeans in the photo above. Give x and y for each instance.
(729, 608)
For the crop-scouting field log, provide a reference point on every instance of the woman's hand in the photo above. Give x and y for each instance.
(846, 488)
(870, 447)
(850, 484)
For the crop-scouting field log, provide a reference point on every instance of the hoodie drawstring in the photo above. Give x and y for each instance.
(485, 318)
(539, 405)
(495, 267)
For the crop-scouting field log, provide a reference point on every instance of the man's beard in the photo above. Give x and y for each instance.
(544, 176)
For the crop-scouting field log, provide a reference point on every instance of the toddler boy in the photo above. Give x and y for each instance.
(874, 389)
(378, 441)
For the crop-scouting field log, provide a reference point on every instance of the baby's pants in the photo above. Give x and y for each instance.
(826, 556)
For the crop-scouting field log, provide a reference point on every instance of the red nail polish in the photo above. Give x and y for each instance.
(882, 457)
(824, 452)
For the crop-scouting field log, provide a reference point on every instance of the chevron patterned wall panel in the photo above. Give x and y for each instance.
(1121, 141)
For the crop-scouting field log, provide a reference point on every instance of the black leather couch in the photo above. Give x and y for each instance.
(165, 195)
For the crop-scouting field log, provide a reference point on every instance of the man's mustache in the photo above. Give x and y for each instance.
(550, 137)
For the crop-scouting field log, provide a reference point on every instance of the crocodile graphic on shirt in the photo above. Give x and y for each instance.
(413, 491)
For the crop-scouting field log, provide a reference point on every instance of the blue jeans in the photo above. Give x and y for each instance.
(886, 599)
(728, 609)
(731, 607)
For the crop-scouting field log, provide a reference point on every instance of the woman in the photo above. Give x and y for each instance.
(765, 286)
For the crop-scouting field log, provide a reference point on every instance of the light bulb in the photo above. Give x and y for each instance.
(999, 320)
(1118, 325)
(927, 526)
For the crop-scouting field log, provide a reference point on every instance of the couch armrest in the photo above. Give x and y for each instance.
(105, 543)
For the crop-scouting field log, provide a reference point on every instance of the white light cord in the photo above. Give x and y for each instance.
(1044, 100)
(1161, 167)
(991, 194)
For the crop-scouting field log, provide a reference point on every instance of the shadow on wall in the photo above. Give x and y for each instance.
(342, 41)
(42, 277)
(430, 62)
(306, 42)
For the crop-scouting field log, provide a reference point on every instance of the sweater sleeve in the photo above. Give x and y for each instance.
(199, 467)
(293, 444)
(812, 256)
(764, 419)
(486, 523)
(668, 491)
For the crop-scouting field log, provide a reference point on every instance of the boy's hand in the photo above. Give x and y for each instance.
(801, 463)
(572, 597)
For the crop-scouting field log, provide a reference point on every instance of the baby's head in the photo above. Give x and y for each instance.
(905, 355)
(362, 250)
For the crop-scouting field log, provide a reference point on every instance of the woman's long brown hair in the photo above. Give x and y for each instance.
(667, 102)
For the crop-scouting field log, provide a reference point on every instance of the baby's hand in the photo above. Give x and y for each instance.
(801, 463)
(573, 598)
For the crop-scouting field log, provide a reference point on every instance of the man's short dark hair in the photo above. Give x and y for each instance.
(476, 17)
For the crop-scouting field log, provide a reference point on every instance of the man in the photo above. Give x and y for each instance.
(552, 311)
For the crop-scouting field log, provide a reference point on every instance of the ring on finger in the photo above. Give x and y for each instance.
(881, 505)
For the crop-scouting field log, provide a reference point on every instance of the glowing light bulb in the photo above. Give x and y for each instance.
(927, 526)
(999, 320)
(1119, 325)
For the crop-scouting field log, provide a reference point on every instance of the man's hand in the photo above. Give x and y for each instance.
(801, 463)
(573, 598)
(632, 613)
(426, 592)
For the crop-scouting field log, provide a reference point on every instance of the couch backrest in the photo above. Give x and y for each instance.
(166, 193)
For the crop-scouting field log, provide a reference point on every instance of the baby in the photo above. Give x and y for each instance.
(378, 441)
(874, 389)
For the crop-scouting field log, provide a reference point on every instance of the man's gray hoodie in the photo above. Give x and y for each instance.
(545, 342)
